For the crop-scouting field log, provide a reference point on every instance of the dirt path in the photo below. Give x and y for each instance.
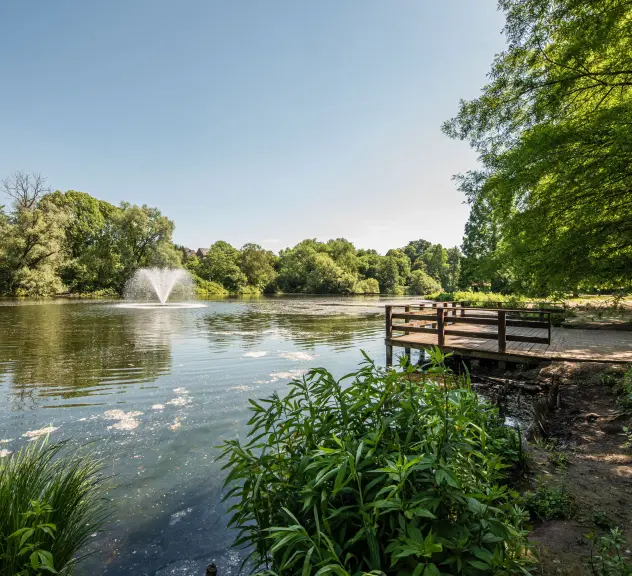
(596, 471)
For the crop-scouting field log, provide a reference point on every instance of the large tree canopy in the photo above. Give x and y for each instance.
(552, 204)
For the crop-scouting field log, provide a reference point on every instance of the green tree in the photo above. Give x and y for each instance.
(258, 266)
(552, 132)
(92, 256)
(437, 263)
(326, 277)
(417, 252)
(295, 264)
(32, 238)
(221, 265)
(394, 272)
(343, 253)
(369, 263)
(453, 272)
(144, 238)
(422, 283)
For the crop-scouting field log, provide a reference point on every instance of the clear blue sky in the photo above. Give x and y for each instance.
(250, 121)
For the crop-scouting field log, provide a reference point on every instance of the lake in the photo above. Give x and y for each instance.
(152, 391)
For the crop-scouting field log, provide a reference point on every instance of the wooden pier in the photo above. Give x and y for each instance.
(522, 335)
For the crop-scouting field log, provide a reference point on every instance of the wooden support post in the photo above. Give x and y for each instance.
(389, 335)
(453, 309)
(549, 328)
(462, 309)
(502, 331)
(406, 309)
(441, 326)
(408, 355)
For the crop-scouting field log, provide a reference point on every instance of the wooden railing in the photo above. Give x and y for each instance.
(440, 316)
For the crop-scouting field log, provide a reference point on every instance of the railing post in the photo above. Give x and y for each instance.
(549, 315)
(502, 330)
(389, 335)
(453, 310)
(441, 326)
(462, 309)
(407, 321)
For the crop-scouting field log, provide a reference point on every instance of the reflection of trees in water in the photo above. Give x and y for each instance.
(61, 350)
(251, 327)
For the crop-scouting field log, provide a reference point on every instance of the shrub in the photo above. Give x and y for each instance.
(367, 286)
(50, 503)
(378, 471)
(624, 390)
(422, 283)
(549, 503)
(208, 288)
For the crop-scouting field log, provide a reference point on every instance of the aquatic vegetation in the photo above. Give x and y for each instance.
(377, 471)
(51, 502)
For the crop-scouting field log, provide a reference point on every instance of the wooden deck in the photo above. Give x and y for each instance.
(558, 344)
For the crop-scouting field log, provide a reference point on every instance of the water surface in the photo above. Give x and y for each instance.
(153, 391)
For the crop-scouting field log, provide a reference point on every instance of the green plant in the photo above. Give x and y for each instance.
(37, 533)
(608, 380)
(605, 554)
(377, 471)
(546, 444)
(628, 438)
(602, 520)
(51, 501)
(624, 390)
(559, 460)
(546, 503)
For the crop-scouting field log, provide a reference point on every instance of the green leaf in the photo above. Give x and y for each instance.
(432, 570)
(46, 560)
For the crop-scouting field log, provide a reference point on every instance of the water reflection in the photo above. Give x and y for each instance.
(72, 352)
(306, 327)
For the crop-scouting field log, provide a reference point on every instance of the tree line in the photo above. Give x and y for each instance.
(551, 204)
(332, 267)
(70, 242)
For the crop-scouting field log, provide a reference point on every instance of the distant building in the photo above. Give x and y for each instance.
(188, 252)
(201, 252)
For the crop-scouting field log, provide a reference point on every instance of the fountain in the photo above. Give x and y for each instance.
(162, 283)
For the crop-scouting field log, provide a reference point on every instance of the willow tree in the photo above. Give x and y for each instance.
(553, 132)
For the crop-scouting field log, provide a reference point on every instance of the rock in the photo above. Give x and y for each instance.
(591, 417)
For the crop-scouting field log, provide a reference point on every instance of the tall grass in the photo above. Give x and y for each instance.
(51, 501)
(382, 472)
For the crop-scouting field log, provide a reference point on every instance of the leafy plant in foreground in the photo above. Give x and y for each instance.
(376, 472)
(606, 557)
(51, 502)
